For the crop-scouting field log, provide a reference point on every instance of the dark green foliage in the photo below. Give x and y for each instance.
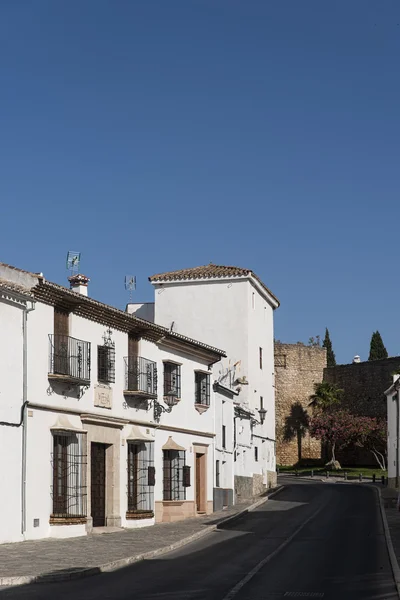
(377, 349)
(325, 396)
(330, 355)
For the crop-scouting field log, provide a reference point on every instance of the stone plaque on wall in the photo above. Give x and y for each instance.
(103, 396)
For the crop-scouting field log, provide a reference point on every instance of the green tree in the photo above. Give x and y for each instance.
(325, 396)
(377, 349)
(330, 355)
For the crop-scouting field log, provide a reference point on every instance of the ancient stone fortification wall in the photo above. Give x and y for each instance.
(364, 385)
(297, 369)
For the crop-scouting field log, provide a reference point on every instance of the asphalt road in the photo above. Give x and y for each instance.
(310, 541)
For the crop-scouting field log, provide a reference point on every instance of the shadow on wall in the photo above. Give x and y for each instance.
(296, 427)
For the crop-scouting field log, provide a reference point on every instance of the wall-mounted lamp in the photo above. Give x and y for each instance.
(262, 412)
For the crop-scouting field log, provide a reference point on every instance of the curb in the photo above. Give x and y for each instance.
(389, 544)
(124, 562)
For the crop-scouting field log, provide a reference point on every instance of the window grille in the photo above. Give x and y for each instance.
(172, 380)
(174, 487)
(141, 476)
(106, 364)
(69, 460)
(202, 388)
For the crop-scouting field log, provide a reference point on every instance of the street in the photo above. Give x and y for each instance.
(311, 540)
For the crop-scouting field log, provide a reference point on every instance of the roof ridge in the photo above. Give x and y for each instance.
(210, 271)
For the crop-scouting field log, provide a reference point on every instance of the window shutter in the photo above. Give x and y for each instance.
(186, 476)
(151, 476)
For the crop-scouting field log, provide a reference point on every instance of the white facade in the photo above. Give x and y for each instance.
(393, 430)
(71, 423)
(236, 313)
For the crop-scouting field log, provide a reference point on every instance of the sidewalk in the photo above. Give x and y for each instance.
(26, 562)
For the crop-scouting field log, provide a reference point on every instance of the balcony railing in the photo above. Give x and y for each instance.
(140, 377)
(69, 359)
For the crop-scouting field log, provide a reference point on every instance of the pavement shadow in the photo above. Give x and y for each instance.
(210, 567)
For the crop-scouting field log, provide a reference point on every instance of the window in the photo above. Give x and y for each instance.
(176, 475)
(172, 380)
(224, 437)
(202, 388)
(217, 473)
(261, 358)
(256, 453)
(69, 460)
(141, 476)
(261, 402)
(106, 364)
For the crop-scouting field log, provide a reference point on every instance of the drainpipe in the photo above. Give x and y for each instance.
(24, 412)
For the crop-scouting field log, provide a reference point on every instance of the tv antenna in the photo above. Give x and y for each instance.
(73, 261)
(130, 285)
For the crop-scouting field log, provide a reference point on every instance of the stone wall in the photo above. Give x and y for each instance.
(297, 369)
(364, 385)
(243, 488)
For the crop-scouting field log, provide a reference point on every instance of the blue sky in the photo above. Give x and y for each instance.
(160, 134)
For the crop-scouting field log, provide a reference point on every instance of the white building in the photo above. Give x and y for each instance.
(233, 308)
(393, 430)
(105, 419)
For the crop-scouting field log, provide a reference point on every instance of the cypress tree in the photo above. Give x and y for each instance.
(330, 355)
(377, 349)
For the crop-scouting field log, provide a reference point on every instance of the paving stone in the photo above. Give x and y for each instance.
(52, 556)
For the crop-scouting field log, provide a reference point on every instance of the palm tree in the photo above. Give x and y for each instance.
(325, 395)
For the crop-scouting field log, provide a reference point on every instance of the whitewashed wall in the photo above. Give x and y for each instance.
(235, 316)
(11, 370)
(55, 396)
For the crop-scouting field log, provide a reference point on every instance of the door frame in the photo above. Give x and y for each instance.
(105, 431)
(200, 462)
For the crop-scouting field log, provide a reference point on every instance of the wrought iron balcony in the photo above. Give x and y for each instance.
(69, 359)
(140, 377)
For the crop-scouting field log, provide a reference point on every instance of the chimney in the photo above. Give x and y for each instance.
(79, 283)
(356, 359)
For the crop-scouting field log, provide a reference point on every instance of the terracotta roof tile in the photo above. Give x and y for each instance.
(14, 287)
(210, 271)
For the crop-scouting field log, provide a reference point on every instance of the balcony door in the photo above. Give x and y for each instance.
(61, 333)
(133, 363)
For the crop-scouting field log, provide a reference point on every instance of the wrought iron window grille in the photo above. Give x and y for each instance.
(172, 383)
(141, 476)
(202, 388)
(176, 475)
(69, 460)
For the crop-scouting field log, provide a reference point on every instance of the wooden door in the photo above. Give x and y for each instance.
(60, 346)
(133, 364)
(98, 484)
(199, 482)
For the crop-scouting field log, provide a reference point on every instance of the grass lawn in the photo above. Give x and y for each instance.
(351, 471)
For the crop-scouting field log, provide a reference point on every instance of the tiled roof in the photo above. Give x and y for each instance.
(88, 308)
(14, 287)
(210, 271)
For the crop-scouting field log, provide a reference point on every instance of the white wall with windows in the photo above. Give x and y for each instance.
(235, 313)
(67, 420)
